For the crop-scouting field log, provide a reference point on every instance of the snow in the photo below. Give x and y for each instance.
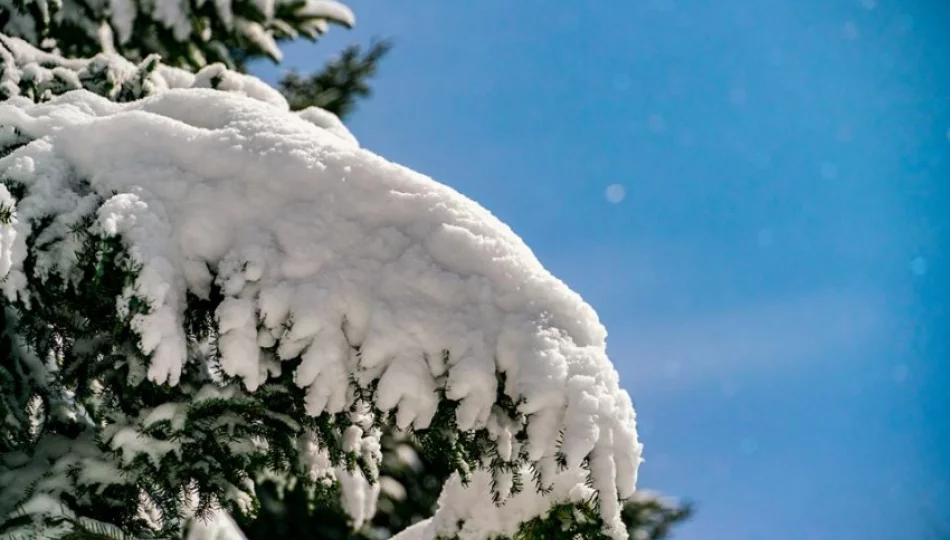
(321, 247)
(132, 443)
(170, 412)
(329, 9)
(359, 494)
(28, 60)
(217, 526)
(223, 9)
(123, 16)
(392, 488)
(174, 15)
(418, 531)
(108, 22)
(472, 507)
(266, 7)
(408, 456)
(257, 35)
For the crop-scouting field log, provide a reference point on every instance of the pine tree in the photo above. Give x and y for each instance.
(651, 517)
(283, 502)
(193, 34)
(186, 33)
(410, 484)
(341, 83)
(162, 363)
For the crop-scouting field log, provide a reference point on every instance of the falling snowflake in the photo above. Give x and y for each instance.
(615, 193)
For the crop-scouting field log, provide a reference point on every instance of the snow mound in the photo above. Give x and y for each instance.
(363, 269)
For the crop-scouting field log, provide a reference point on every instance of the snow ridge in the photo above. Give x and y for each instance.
(327, 252)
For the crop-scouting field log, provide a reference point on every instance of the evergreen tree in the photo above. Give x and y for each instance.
(410, 484)
(162, 363)
(651, 517)
(79, 28)
(186, 33)
(339, 85)
(192, 34)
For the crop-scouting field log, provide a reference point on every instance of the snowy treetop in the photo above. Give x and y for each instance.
(38, 75)
(194, 32)
(375, 288)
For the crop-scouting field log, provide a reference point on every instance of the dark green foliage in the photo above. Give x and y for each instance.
(100, 75)
(341, 83)
(337, 87)
(81, 528)
(212, 33)
(293, 511)
(72, 374)
(652, 518)
(564, 521)
(289, 513)
(95, 383)
(70, 364)
(420, 476)
(79, 381)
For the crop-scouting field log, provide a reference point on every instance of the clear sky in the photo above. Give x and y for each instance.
(752, 195)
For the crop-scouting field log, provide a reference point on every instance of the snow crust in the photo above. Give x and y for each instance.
(217, 526)
(321, 248)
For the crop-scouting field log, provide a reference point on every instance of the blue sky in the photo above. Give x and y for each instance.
(773, 277)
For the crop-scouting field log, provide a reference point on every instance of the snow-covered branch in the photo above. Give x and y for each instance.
(259, 268)
(189, 34)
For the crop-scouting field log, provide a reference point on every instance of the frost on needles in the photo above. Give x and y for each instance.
(193, 33)
(201, 289)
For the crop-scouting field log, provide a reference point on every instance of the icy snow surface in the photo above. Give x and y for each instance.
(320, 246)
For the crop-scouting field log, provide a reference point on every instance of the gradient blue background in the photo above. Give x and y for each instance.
(773, 280)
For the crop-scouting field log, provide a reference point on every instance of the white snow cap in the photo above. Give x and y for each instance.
(318, 247)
